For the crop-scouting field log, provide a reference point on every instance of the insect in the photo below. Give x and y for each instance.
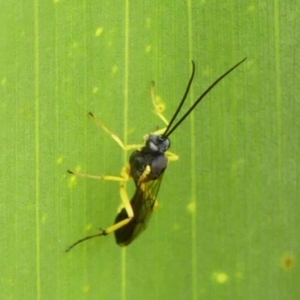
(146, 167)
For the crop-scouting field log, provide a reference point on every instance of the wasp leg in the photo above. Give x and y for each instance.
(123, 194)
(85, 238)
(125, 202)
(172, 156)
(114, 136)
(128, 208)
(124, 177)
(159, 107)
(101, 177)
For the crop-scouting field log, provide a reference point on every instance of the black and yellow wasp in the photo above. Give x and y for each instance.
(146, 167)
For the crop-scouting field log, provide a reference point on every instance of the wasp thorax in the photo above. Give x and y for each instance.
(157, 143)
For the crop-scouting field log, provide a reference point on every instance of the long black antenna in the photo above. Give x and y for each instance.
(169, 131)
(182, 100)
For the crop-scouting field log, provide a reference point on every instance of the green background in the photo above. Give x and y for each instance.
(227, 225)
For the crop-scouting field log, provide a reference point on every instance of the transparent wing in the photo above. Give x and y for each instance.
(142, 202)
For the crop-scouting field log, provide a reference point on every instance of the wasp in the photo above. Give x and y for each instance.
(146, 167)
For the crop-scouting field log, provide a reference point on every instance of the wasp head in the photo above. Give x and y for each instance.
(157, 144)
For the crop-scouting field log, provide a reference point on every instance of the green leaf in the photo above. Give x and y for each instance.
(227, 224)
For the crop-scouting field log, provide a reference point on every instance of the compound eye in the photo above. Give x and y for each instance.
(166, 144)
(153, 147)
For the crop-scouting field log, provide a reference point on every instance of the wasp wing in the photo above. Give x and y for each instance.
(142, 202)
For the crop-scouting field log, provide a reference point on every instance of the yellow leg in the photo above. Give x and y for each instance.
(159, 107)
(128, 208)
(101, 177)
(127, 205)
(102, 232)
(114, 136)
(172, 156)
(125, 201)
